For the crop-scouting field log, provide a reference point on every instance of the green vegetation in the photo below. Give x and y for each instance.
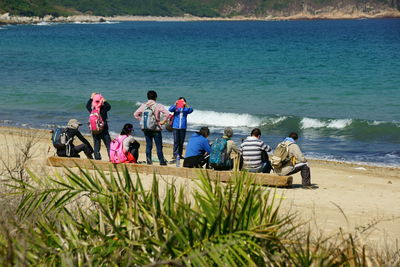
(99, 219)
(201, 8)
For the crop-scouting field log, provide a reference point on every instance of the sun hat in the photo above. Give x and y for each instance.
(74, 124)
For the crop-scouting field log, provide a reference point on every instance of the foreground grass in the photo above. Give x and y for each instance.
(109, 219)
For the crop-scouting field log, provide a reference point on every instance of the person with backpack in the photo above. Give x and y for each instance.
(124, 148)
(198, 149)
(179, 125)
(63, 141)
(98, 108)
(149, 115)
(254, 152)
(288, 159)
(221, 150)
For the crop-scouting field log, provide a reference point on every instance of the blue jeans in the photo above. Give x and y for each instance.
(179, 139)
(105, 136)
(157, 136)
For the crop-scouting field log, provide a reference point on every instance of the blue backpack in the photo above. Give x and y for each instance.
(218, 155)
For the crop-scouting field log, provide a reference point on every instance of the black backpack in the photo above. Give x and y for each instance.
(60, 138)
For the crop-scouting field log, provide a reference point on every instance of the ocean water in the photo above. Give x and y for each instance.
(335, 82)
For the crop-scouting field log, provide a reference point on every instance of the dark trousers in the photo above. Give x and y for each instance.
(305, 174)
(134, 149)
(179, 139)
(75, 150)
(157, 136)
(196, 161)
(105, 136)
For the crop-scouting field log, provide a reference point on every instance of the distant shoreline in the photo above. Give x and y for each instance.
(8, 19)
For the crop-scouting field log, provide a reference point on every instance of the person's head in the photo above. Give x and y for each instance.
(127, 129)
(256, 132)
(181, 102)
(294, 136)
(228, 132)
(152, 95)
(204, 131)
(74, 124)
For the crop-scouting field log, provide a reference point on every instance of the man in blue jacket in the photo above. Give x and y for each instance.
(179, 125)
(198, 149)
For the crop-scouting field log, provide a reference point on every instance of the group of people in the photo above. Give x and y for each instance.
(252, 154)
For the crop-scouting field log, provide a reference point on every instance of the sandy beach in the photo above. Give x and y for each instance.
(358, 199)
(346, 13)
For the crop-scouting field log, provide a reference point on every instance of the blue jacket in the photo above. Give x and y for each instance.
(180, 116)
(197, 145)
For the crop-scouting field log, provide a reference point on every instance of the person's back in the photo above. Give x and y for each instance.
(149, 115)
(254, 152)
(295, 161)
(98, 107)
(221, 151)
(70, 150)
(197, 149)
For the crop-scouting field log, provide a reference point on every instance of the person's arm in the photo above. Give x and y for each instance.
(265, 147)
(106, 106)
(188, 110)
(83, 139)
(89, 105)
(206, 146)
(138, 112)
(234, 147)
(172, 108)
(164, 111)
(295, 149)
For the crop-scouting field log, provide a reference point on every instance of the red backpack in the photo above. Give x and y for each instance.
(96, 123)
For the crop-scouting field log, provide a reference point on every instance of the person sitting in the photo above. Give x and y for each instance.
(130, 147)
(70, 150)
(221, 151)
(294, 160)
(198, 149)
(254, 152)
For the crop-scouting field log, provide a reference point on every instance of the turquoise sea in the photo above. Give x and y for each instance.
(336, 82)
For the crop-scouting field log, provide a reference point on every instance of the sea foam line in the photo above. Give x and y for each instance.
(308, 123)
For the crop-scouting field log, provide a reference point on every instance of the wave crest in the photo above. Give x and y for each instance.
(307, 123)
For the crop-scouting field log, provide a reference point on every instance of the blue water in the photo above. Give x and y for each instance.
(336, 82)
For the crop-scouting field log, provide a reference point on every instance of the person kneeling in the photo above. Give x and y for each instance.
(63, 139)
(124, 148)
(198, 149)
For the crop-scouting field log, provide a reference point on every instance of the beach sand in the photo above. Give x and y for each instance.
(359, 199)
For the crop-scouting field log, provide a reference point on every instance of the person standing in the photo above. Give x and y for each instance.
(150, 114)
(292, 161)
(179, 125)
(254, 152)
(97, 104)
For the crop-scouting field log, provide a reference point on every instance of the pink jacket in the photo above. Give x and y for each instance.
(157, 111)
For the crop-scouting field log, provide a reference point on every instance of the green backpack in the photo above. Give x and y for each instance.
(280, 155)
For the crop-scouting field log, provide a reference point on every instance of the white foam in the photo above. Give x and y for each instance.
(221, 119)
(307, 123)
(339, 124)
(44, 23)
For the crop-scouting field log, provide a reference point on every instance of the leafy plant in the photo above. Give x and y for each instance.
(108, 218)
